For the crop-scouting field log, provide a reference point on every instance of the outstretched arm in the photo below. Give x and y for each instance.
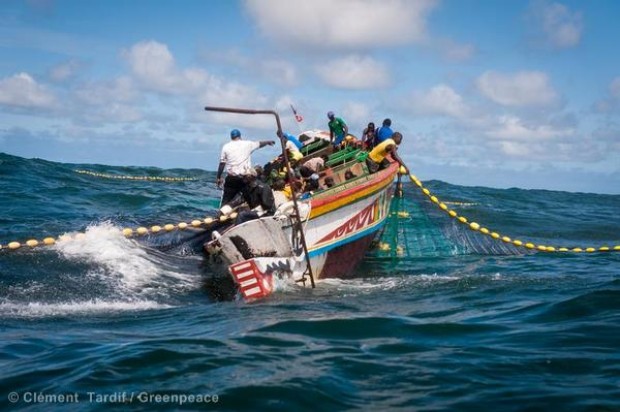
(264, 143)
(395, 156)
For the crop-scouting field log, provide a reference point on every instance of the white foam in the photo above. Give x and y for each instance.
(435, 278)
(37, 310)
(382, 283)
(286, 284)
(123, 259)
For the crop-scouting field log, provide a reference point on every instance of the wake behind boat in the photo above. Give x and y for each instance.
(323, 234)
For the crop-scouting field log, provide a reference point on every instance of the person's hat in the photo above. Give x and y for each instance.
(234, 133)
(330, 114)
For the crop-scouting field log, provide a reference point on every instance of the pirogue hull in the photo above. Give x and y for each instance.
(344, 223)
(339, 224)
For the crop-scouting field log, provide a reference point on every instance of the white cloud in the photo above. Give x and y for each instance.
(222, 93)
(354, 72)
(556, 23)
(154, 66)
(526, 88)
(611, 102)
(357, 114)
(121, 89)
(107, 101)
(114, 113)
(454, 51)
(65, 71)
(440, 100)
(342, 23)
(280, 72)
(230, 94)
(513, 128)
(23, 91)
(515, 149)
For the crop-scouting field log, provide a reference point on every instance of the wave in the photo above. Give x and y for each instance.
(127, 264)
(98, 270)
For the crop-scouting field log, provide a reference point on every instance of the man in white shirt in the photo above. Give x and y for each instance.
(316, 164)
(236, 159)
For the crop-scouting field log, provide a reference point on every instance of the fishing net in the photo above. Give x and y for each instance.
(416, 227)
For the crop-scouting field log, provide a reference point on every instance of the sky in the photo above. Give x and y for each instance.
(510, 93)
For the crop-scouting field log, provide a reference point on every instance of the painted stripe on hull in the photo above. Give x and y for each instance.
(378, 182)
(370, 230)
(348, 224)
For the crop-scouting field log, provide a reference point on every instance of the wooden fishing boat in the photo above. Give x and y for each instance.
(320, 235)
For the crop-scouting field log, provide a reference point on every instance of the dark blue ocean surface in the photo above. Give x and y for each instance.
(437, 318)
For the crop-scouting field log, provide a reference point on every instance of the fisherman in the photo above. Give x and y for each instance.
(236, 159)
(338, 129)
(312, 183)
(294, 140)
(279, 196)
(293, 146)
(329, 182)
(316, 164)
(384, 132)
(258, 196)
(348, 175)
(368, 136)
(377, 159)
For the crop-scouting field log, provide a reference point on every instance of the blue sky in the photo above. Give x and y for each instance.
(486, 93)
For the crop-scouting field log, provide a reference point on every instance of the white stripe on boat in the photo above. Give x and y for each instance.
(251, 292)
(243, 266)
(244, 274)
(245, 283)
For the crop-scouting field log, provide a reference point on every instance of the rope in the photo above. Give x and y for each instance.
(127, 232)
(122, 177)
(496, 236)
(142, 231)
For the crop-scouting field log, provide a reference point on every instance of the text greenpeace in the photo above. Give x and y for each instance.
(176, 398)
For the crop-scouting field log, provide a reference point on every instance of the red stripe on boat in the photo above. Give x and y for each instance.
(253, 284)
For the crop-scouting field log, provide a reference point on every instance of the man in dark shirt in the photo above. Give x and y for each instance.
(259, 197)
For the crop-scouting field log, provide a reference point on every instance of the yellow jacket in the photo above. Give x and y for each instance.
(378, 153)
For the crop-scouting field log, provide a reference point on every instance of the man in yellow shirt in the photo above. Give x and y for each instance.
(377, 158)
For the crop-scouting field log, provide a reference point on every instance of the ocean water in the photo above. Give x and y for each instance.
(443, 320)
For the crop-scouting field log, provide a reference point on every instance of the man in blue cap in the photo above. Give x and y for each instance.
(236, 159)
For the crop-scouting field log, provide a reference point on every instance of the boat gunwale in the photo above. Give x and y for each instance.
(328, 202)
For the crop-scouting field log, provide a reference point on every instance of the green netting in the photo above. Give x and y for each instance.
(409, 233)
(418, 228)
